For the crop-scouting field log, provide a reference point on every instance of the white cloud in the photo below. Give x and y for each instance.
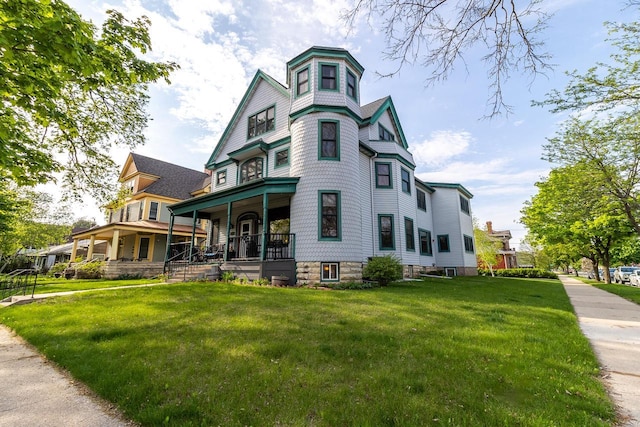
(440, 147)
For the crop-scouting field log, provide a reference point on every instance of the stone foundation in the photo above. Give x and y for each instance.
(114, 269)
(308, 273)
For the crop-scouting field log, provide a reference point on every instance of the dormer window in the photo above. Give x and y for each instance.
(384, 134)
(250, 170)
(129, 185)
(262, 122)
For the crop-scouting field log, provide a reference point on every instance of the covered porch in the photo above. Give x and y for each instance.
(248, 223)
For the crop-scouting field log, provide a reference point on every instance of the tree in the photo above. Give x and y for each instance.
(70, 93)
(572, 210)
(438, 34)
(486, 247)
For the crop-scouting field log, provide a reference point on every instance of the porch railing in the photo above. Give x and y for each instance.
(18, 282)
(249, 247)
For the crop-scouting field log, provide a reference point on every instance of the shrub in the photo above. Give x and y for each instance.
(531, 273)
(58, 268)
(353, 285)
(226, 276)
(90, 270)
(384, 269)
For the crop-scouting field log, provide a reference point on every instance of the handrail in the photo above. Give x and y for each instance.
(16, 281)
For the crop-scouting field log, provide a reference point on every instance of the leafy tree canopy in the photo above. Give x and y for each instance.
(70, 92)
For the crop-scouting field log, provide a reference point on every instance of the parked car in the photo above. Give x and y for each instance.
(634, 278)
(621, 275)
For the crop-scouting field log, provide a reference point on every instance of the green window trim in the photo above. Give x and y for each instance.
(352, 85)
(322, 139)
(299, 82)
(279, 163)
(221, 177)
(329, 271)
(468, 244)
(326, 216)
(379, 166)
(409, 234)
(443, 243)
(405, 176)
(424, 236)
(251, 169)
(464, 205)
(385, 222)
(255, 129)
(322, 77)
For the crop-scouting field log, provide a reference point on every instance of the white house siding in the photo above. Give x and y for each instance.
(424, 221)
(385, 202)
(316, 175)
(367, 223)
(264, 96)
(280, 171)
(449, 219)
(385, 121)
(407, 209)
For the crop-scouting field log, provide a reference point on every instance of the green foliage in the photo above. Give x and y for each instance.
(263, 281)
(353, 285)
(89, 270)
(227, 276)
(69, 88)
(58, 268)
(529, 273)
(384, 269)
(486, 247)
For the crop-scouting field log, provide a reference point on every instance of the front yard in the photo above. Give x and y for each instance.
(465, 352)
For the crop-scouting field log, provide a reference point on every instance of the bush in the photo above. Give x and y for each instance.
(384, 269)
(90, 270)
(58, 268)
(530, 273)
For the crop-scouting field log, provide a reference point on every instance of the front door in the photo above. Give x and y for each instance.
(247, 244)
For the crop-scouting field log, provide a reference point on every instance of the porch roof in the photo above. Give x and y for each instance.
(125, 228)
(257, 187)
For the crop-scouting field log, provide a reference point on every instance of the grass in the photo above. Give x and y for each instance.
(465, 352)
(47, 285)
(630, 293)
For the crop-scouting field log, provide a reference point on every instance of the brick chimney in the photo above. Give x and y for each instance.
(489, 227)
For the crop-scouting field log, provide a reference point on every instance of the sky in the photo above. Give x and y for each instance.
(220, 44)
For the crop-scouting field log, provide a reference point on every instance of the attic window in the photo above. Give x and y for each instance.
(251, 169)
(262, 122)
(384, 134)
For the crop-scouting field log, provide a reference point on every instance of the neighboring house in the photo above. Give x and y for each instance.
(137, 231)
(303, 173)
(44, 259)
(507, 258)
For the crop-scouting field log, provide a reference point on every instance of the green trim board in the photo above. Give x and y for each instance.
(250, 189)
(397, 157)
(320, 140)
(259, 76)
(316, 108)
(388, 105)
(249, 150)
(458, 187)
(323, 52)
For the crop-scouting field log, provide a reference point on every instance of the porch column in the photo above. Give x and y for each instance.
(265, 223)
(114, 245)
(193, 234)
(74, 249)
(226, 252)
(169, 237)
(92, 241)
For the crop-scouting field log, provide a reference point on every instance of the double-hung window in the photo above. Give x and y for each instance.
(329, 223)
(385, 229)
(425, 242)
(282, 158)
(383, 175)
(221, 177)
(443, 243)
(406, 180)
(422, 200)
(329, 140)
(408, 233)
(153, 211)
(468, 244)
(302, 81)
(464, 205)
(329, 76)
(262, 122)
(352, 87)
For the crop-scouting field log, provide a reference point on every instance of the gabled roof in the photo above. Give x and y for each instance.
(259, 76)
(176, 182)
(372, 111)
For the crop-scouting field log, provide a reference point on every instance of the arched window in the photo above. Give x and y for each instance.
(251, 169)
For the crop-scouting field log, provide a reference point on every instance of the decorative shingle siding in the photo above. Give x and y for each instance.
(316, 175)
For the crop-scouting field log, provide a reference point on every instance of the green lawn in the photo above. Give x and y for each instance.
(475, 351)
(47, 285)
(627, 292)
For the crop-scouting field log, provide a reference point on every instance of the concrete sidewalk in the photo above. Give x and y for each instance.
(34, 393)
(612, 325)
